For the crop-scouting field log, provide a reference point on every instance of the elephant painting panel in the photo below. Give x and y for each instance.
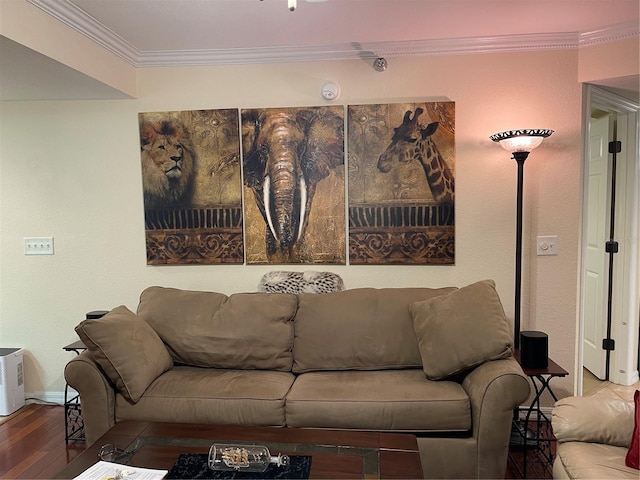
(293, 164)
(402, 183)
(192, 188)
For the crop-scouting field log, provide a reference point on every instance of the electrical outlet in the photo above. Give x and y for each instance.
(38, 245)
(547, 245)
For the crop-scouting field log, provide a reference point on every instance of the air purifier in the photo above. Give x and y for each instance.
(11, 380)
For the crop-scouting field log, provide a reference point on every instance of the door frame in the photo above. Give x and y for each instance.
(626, 330)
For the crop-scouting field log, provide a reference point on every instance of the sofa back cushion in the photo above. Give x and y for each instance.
(359, 329)
(208, 329)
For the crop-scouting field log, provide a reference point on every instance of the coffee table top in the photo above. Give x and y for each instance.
(335, 453)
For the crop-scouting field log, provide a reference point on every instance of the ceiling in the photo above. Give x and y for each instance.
(210, 32)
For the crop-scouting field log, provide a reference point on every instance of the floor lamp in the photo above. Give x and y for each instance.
(519, 143)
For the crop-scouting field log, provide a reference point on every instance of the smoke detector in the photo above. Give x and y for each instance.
(330, 91)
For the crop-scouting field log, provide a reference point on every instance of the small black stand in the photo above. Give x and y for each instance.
(531, 426)
(73, 423)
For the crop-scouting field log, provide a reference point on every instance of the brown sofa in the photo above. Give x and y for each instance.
(434, 362)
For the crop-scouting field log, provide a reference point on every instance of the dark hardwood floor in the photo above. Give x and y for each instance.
(32, 446)
(32, 443)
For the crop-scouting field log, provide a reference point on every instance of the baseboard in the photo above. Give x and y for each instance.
(55, 398)
(524, 408)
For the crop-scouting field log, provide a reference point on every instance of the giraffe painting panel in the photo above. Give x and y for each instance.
(402, 183)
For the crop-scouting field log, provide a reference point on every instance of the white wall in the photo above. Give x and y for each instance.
(71, 170)
(30, 26)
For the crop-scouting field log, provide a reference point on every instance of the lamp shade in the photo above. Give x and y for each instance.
(521, 140)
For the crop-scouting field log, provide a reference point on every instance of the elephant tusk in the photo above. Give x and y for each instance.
(303, 206)
(267, 205)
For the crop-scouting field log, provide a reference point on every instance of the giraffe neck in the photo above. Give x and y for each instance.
(436, 170)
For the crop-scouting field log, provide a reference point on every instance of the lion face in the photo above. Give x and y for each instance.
(167, 164)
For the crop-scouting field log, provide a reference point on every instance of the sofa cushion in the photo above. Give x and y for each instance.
(128, 350)
(208, 329)
(461, 330)
(359, 329)
(378, 400)
(591, 461)
(187, 394)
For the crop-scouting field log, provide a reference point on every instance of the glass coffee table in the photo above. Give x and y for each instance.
(334, 453)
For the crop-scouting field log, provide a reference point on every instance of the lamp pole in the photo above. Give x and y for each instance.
(519, 157)
(519, 143)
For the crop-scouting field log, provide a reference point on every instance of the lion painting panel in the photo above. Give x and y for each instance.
(191, 184)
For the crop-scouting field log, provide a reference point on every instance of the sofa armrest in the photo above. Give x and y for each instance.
(595, 419)
(97, 395)
(495, 389)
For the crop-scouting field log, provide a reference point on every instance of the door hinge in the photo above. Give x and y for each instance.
(608, 344)
(615, 146)
(611, 246)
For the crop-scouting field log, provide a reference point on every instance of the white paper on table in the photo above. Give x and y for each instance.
(109, 471)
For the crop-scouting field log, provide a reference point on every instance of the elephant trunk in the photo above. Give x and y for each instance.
(285, 197)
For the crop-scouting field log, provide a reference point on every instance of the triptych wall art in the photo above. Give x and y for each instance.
(267, 186)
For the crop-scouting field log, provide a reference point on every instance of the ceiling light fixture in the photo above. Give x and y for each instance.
(292, 4)
(519, 143)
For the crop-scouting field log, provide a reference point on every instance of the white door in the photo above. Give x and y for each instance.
(596, 259)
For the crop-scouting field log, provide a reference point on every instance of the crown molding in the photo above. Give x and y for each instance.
(80, 21)
(354, 51)
(77, 19)
(618, 32)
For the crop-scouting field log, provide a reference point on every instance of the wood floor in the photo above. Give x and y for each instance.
(32, 446)
(32, 443)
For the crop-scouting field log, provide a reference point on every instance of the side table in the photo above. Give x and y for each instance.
(530, 424)
(73, 423)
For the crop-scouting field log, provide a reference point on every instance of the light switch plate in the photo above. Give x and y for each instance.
(38, 245)
(547, 245)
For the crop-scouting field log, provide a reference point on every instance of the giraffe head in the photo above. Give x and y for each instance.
(404, 146)
(412, 142)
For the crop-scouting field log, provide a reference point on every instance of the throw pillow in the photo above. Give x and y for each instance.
(300, 282)
(632, 460)
(461, 330)
(129, 351)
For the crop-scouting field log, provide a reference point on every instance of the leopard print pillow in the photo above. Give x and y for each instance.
(300, 282)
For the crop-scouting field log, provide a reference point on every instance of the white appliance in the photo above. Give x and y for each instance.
(11, 380)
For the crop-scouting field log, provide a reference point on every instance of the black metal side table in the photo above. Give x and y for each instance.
(73, 423)
(531, 425)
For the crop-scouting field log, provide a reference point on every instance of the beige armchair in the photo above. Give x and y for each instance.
(593, 436)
